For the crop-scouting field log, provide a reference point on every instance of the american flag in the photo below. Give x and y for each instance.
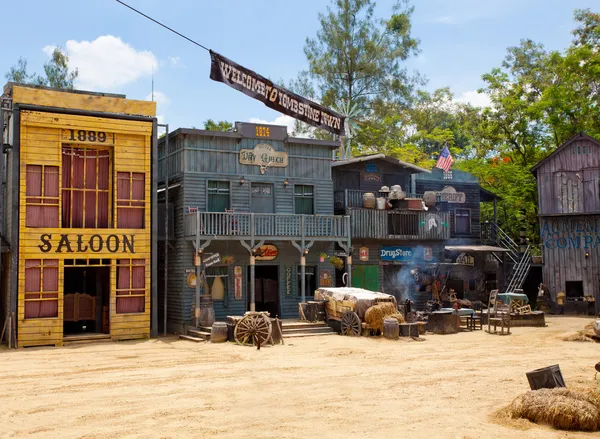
(445, 160)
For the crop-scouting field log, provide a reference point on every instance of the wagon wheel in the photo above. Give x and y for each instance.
(350, 323)
(250, 327)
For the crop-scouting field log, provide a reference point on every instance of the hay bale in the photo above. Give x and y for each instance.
(560, 408)
(398, 316)
(588, 333)
(376, 314)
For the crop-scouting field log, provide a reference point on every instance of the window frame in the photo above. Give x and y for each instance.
(456, 223)
(304, 196)
(130, 264)
(41, 291)
(130, 203)
(211, 192)
(29, 199)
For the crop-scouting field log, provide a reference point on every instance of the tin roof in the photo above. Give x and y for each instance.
(384, 157)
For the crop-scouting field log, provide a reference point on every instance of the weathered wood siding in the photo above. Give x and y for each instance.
(568, 181)
(565, 243)
(355, 176)
(41, 144)
(462, 182)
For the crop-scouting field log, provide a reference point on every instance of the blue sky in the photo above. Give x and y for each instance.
(117, 50)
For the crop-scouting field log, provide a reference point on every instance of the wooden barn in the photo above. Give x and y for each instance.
(569, 212)
(262, 202)
(77, 215)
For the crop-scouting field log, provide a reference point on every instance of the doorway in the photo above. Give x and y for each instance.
(574, 288)
(86, 299)
(266, 288)
(366, 276)
(262, 200)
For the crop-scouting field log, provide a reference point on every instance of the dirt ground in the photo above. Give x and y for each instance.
(444, 387)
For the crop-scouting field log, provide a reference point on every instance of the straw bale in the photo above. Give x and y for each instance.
(560, 408)
(376, 314)
(398, 316)
(586, 334)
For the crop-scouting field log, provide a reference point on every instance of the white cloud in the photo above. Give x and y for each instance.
(107, 62)
(174, 60)
(288, 121)
(48, 50)
(159, 97)
(474, 98)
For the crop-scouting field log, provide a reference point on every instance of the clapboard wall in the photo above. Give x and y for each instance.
(462, 182)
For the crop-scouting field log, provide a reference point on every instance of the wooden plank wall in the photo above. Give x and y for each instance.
(41, 144)
(579, 159)
(564, 253)
(388, 173)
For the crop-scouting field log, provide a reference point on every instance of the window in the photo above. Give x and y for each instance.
(41, 288)
(569, 192)
(217, 282)
(447, 175)
(311, 280)
(41, 196)
(131, 286)
(462, 218)
(303, 199)
(218, 196)
(85, 187)
(131, 200)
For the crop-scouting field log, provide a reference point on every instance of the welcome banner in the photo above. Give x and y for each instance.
(275, 97)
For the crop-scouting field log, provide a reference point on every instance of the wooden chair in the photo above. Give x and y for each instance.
(502, 319)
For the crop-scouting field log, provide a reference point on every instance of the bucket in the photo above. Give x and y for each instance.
(546, 378)
(207, 312)
(381, 203)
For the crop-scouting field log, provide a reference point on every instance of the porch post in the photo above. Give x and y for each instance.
(303, 277)
(198, 280)
(252, 290)
(349, 268)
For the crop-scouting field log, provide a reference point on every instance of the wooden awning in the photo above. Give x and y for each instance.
(475, 248)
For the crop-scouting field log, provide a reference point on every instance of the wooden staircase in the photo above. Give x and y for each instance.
(291, 329)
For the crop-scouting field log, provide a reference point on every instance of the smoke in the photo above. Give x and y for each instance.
(411, 280)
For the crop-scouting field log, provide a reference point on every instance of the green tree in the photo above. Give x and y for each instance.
(221, 125)
(56, 70)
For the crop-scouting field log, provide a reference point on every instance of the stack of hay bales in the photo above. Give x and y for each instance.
(376, 314)
(559, 407)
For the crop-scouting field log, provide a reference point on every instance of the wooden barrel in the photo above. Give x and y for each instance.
(391, 329)
(315, 311)
(207, 312)
(218, 332)
(369, 200)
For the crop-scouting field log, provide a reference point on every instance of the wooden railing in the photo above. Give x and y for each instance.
(266, 225)
(350, 198)
(399, 224)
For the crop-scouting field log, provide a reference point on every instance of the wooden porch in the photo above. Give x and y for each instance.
(399, 224)
(265, 226)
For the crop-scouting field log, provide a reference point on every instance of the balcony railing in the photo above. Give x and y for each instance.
(350, 198)
(219, 225)
(399, 224)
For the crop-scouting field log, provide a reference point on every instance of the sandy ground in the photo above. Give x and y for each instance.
(444, 387)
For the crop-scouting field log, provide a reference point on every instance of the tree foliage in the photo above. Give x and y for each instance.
(221, 125)
(56, 70)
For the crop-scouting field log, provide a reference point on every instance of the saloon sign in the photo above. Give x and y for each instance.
(264, 155)
(266, 252)
(450, 195)
(67, 243)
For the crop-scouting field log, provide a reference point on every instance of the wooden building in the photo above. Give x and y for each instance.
(77, 215)
(484, 253)
(389, 243)
(569, 212)
(259, 199)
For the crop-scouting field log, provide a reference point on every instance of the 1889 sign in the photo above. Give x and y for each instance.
(86, 136)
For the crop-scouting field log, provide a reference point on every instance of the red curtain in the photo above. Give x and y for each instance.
(35, 288)
(41, 187)
(131, 281)
(131, 199)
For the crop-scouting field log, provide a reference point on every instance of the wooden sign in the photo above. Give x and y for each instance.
(211, 260)
(237, 286)
(82, 243)
(266, 252)
(190, 277)
(465, 259)
(371, 176)
(325, 278)
(427, 253)
(450, 195)
(364, 253)
(87, 137)
(264, 155)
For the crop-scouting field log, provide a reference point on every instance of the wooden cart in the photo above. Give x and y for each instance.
(349, 305)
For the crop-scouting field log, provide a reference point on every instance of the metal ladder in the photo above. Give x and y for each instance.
(520, 271)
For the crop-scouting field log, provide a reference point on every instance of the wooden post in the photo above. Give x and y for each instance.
(198, 272)
(303, 277)
(252, 282)
(349, 269)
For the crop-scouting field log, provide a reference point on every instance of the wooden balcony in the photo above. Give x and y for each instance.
(350, 198)
(399, 224)
(270, 226)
